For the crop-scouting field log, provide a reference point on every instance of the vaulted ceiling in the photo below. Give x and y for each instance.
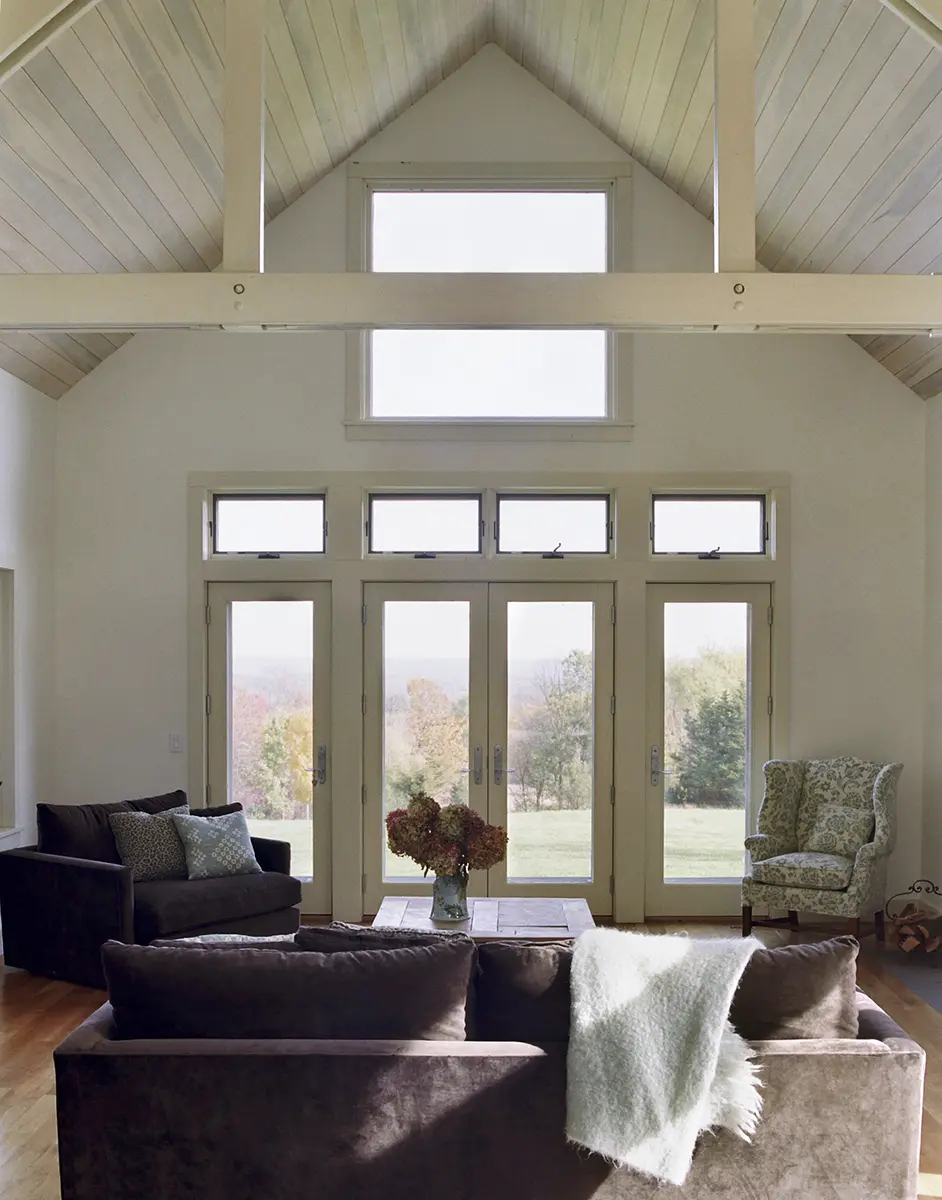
(111, 138)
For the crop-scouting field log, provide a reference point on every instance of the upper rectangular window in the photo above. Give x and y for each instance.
(707, 525)
(553, 525)
(488, 375)
(400, 524)
(274, 524)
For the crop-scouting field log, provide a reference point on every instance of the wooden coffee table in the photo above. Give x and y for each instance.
(533, 918)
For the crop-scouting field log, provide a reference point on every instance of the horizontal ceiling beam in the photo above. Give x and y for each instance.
(364, 300)
(27, 26)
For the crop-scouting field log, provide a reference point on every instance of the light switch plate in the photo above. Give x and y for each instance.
(176, 743)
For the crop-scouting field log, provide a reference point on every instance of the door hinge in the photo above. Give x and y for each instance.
(363, 704)
(771, 613)
(770, 706)
(612, 794)
(363, 614)
(209, 614)
(612, 705)
(363, 794)
(613, 614)
(611, 885)
(209, 704)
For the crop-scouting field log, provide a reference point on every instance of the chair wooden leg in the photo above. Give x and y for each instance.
(793, 920)
(855, 927)
(746, 920)
(880, 926)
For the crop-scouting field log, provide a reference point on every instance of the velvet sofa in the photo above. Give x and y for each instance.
(240, 1118)
(62, 899)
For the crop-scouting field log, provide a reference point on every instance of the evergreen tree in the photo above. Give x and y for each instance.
(712, 759)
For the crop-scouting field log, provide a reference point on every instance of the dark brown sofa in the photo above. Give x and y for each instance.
(61, 900)
(239, 1119)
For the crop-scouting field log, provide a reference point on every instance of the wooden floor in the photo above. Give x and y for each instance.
(36, 1014)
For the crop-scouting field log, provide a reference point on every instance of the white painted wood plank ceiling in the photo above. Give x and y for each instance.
(111, 138)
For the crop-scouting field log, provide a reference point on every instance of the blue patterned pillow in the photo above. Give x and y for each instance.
(217, 848)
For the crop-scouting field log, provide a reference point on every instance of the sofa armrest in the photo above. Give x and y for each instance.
(57, 912)
(273, 855)
(765, 845)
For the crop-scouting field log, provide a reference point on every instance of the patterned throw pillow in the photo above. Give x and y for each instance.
(149, 844)
(217, 848)
(840, 829)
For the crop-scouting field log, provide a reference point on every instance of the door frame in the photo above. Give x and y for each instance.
(316, 892)
(722, 898)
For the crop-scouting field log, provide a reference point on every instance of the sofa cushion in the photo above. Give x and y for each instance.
(827, 872)
(840, 829)
(218, 848)
(169, 906)
(417, 992)
(149, 844)
(807, 991)
(523, 992)
(83, 831)
(339, 936)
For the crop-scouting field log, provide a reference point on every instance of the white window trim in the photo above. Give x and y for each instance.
(615, 178)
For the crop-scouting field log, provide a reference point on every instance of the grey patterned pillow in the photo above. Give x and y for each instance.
(149, 844)
(217, 848)
(840, 829)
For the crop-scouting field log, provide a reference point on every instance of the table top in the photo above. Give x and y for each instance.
(494, 919)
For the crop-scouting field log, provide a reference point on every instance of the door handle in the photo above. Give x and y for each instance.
(656, 769)
(499, 769)
(478, 769)
(320, 771)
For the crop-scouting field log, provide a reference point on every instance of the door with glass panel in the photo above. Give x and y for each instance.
(268, 720)
(709, 733)
(498, 696)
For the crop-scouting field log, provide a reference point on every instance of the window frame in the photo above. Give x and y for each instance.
(215, 552)
(702, 496)
(557, 495)
(418, 494)
(614, 178)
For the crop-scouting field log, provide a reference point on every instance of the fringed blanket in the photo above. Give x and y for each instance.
(653, 1060)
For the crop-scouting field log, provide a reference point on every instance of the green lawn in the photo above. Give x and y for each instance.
(701, 843)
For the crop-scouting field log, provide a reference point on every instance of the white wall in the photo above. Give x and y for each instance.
(27, 513)
(850, 436)
(932, 816)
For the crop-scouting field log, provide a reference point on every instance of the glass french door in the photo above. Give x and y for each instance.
(498, 696)
(268, 718)
(709, 732)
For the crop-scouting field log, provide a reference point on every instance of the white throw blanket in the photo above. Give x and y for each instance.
(653, 1060)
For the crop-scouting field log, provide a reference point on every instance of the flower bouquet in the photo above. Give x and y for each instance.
(451, 840)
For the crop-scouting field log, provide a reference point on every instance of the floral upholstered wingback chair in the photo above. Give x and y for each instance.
(826, 829)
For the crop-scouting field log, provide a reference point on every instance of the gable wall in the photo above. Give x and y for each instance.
(818, 408)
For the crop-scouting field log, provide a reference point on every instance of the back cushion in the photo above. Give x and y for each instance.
(338, 935)
(83, 831)
(523, 991)
(799, 992)
(414, 993)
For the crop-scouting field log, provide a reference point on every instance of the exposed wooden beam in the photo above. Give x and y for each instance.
(243, 234)
(925, 16)
(27, 26)
(734, 137)
(364, 300)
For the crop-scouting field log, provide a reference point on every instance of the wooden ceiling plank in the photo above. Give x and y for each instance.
(53, 189)
(298, 21)
(626, 49)
(817, 195)
(892, 191)
(611, 22)
(902, 354)
(31, 226)
(17, 247)
(649, 47)
(50, 360)
(23, 368)
(358, 67)
(377, 64)
(930, 387)
(512, 18)
(104, 76)
(463, 26)
(734, 175)
(395, 48)
(683, 90)
(923, 353)
(27, 27)
(33, 106)
(673, 72)
(412, 45)
(434, 41)
(928, 364)
(292, 76)
(70, 348)
(885, 344)
(483, 26)
(860, 87)
(916, 239)
(243, 230)
(95, 343)
(587, 40)
(790, 22)
(566, 60)
(895, 143)
(166, 70)
(8, 266)
(532, 24)
(806, 119)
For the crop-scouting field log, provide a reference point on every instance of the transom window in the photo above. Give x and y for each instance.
(552, 525)
(273, 524)
(424, 525)
(709, 526)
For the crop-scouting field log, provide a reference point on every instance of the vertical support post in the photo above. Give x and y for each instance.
(734, 140)
(243, 237)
